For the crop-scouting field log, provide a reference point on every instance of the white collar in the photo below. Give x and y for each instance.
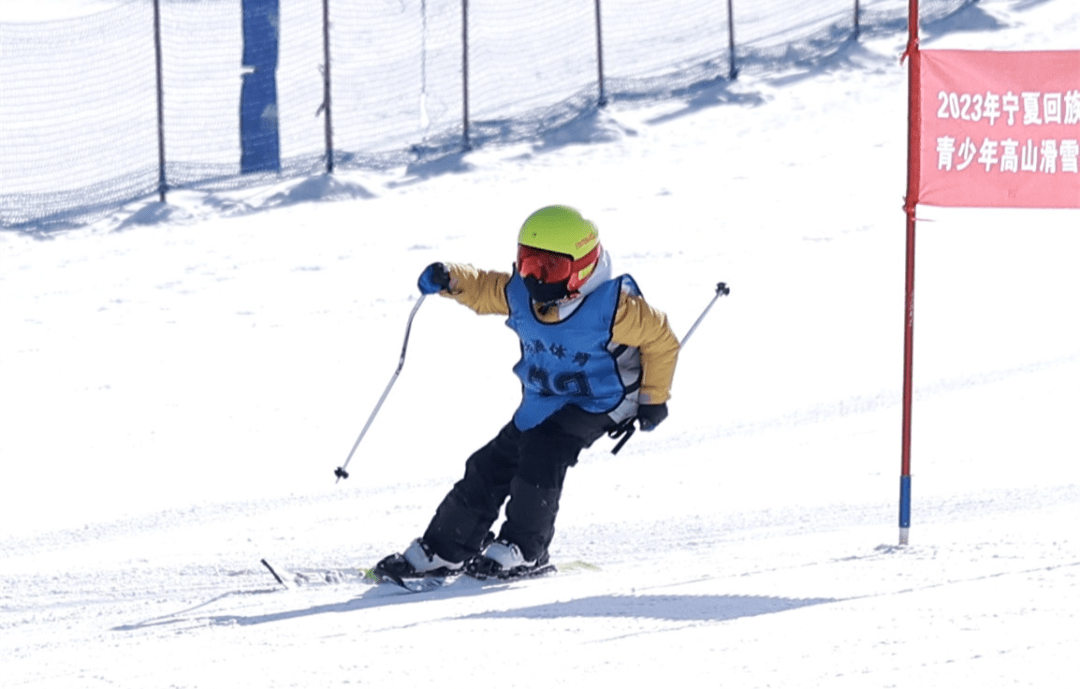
(599, 276)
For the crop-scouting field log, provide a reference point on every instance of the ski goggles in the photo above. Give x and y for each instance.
(545, 266)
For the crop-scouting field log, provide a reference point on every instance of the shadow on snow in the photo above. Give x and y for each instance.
(673, 608)
(659, 607)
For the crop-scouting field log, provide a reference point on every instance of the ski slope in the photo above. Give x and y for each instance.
(178, 383)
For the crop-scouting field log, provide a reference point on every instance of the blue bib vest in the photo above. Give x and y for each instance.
(574, 360)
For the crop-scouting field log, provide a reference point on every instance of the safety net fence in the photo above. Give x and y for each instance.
(157, 95)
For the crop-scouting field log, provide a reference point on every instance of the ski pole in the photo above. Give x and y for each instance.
(626, 429)
(721, 290)
(340, 471)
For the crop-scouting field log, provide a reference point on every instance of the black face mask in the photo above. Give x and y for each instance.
(546, 292)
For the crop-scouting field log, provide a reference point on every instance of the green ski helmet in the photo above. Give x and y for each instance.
(558, 246)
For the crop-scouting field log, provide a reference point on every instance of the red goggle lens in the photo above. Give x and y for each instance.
(545, 266)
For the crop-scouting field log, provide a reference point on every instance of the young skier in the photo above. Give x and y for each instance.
(594, 354)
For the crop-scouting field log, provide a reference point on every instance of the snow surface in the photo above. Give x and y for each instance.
(178, 382)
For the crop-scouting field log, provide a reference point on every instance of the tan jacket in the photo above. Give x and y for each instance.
(636, 324)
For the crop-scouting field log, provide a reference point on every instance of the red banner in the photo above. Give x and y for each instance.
(999, 129)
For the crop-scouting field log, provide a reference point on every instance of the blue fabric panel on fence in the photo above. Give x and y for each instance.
(259, 142)
(261, 34)
(259, 123)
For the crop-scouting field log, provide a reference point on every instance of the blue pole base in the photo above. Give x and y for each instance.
(905, 508)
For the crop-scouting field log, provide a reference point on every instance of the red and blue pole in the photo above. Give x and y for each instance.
(910, 201)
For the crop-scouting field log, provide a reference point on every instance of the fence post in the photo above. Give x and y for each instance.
(732, 70)
(600, 57)
(326, 87)
(162, 183)
(856, 18)
(465, 74)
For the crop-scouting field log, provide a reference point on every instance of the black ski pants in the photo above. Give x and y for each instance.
(528, 467)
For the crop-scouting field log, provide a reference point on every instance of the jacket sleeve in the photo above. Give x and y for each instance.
(483, 291)
(639, 325)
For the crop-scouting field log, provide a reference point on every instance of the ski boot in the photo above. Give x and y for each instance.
(418, 561)
(503, 560)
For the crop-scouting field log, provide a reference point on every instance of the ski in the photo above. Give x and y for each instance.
(419, 585)
(309, 578)
(427, 584)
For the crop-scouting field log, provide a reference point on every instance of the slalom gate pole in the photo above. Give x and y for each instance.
(910, 202)
(626, 429)
(340, 471)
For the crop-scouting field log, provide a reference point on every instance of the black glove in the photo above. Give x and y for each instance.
(649, 416)
(435, 278)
